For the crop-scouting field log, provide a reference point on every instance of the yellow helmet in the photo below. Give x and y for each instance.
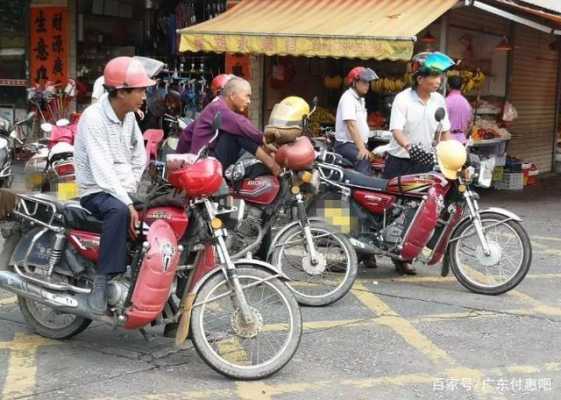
(289, 113)
(451, 156)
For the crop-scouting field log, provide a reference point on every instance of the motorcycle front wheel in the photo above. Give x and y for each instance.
(325, 282)
(504, 268)
(240, 349)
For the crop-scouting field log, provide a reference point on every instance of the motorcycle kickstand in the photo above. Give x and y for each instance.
(147, 337)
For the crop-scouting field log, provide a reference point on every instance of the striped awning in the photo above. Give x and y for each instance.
(378, 29)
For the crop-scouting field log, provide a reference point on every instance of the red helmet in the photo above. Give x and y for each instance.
(219, 82)
(126, 72)
(360, 73)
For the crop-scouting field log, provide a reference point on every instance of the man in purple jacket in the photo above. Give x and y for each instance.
(237, 132)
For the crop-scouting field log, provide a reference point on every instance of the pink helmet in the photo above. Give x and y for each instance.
(219, 82)
(126, 72)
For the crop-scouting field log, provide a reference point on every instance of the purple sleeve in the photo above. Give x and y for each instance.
(237, 124)
(184, 145)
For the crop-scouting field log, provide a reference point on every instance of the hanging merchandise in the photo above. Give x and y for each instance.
(333, 82)
(283, 72)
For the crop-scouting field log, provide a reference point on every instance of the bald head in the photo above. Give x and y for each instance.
(237, 94)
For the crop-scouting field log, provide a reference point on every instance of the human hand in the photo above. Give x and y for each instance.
(134, 221)
(363, 154)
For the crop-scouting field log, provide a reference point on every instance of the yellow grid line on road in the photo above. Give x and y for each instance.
(8, 300)
(263, 391)
(416, 339)
(22, 366)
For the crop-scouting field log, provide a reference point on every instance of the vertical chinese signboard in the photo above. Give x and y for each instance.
(50, 42)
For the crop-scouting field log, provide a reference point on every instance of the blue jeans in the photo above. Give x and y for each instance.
(115, 216)
(350, 152)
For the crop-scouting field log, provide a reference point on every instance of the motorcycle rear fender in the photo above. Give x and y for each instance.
(509, 215)
(245, 261)
(286, 228)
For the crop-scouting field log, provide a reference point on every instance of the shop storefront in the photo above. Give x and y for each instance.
(13, 55)
(509, 57)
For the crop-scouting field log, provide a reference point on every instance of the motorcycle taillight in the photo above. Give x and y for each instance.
(64, 169)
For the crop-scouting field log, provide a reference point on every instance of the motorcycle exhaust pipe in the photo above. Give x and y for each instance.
(68, 303)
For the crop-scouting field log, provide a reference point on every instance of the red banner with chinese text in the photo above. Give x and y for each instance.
(238, 64)
(50, 44)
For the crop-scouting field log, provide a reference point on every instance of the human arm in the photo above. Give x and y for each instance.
(352, 128)
(138, 153)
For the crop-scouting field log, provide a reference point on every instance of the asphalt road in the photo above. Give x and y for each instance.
(422, 337)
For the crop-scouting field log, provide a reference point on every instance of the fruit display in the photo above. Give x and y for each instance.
(333, 82)
(473, 80)
(488, 130)
(376, 120)
(390, 85)
(319, 117)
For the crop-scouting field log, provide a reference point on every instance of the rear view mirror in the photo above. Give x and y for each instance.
(439, 114)
(217, 124)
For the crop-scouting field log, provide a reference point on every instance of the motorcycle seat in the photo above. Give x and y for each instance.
(356, 179)
(74, 216)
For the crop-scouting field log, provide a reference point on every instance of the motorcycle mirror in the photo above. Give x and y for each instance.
(47, 127)
(62, 122)
(315, 102)
(30, 115)
(217, 124)
(439, 114)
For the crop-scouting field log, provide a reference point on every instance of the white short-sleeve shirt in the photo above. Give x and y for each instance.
(351, 107)
(416, 120)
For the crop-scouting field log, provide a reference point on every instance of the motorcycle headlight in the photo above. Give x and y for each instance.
(311, 178)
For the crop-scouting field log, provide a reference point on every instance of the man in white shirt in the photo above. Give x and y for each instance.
(413, 122)
(110, 158)
(351, 126)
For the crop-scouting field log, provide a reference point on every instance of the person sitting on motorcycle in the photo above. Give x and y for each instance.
(351, 126)
(412, 120)
(237, 132)
(109, 157)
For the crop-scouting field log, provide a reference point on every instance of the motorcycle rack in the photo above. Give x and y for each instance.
(22, 210)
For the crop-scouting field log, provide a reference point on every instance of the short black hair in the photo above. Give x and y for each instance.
(455, 82)
(113, 92)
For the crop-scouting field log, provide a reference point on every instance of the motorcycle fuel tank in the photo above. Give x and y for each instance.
(417, 184)
(262, 190)
(174, 216)
(156, 276)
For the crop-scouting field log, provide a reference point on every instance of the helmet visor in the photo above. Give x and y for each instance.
(368, 75)
(437, 63)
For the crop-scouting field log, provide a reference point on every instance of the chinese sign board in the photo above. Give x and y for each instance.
(49, 47)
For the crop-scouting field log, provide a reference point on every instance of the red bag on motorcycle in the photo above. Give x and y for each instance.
(63, 134)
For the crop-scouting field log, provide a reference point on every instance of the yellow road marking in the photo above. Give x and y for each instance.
(22, 367)
(262, 391)
(8, 300)
(538, 306)
(437, 279)
(389, 318)
(546, 249)
(549, 238)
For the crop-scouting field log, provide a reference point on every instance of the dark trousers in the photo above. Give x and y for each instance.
(349, 151)
(228, 148)
(115, 216)
(396, 166)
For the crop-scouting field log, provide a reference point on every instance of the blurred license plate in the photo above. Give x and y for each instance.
(67, 190)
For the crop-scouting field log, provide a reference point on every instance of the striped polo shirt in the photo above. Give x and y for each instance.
(109, 153)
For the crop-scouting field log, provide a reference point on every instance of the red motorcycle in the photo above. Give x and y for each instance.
(320, 262)
(428, 218)
(244, 321)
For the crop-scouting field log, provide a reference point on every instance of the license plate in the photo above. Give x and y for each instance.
(67, 190)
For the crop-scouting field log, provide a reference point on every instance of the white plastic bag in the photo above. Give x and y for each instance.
(509, 112)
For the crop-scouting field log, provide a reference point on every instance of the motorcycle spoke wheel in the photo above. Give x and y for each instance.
(239, 349)
(330, 279)
(501, 270)
(49, 322)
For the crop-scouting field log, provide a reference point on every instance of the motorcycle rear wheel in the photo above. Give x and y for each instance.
(507, 265)
(50, 323)
(328, 286)
(237, 349)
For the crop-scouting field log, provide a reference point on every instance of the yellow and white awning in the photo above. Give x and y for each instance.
(379, 29)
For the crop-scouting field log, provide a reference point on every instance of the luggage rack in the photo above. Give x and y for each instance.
(38, 211)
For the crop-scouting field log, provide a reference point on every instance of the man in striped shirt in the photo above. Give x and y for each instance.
(109, 156)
